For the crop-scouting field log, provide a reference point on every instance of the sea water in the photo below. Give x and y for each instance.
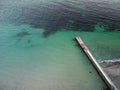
(38, 50)
(53, 63)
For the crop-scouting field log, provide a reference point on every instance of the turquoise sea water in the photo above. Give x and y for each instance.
(38, 50)
(30, 61)
(33, 62)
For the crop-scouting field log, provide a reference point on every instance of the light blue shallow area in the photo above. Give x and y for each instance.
(32, 62)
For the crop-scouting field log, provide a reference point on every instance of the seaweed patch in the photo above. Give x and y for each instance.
(22, 34)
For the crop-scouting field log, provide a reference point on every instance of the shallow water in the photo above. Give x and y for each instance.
(38, 50)
(31, 61)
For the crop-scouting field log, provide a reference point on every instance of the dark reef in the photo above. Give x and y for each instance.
(78, 15)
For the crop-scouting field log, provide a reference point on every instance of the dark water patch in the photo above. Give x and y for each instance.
(90, 72)
(29, 41)
(22, 34)
(52, 17)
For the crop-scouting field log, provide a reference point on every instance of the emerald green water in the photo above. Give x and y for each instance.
(37, 46)
(32, 62)
(54, 63)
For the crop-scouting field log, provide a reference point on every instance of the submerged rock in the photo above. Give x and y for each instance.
(22, 34)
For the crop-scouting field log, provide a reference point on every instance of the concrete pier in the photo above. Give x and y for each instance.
(103, 75)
